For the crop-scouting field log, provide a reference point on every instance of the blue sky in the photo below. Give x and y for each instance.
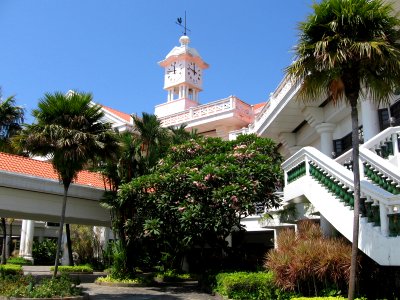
(111, 47)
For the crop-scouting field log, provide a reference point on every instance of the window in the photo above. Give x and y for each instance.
(383, 113)
(345, 143)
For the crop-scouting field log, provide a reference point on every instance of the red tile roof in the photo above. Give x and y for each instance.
(43, 169)
(119, 114)
(259, 105)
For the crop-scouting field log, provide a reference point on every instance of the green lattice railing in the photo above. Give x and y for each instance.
(296, 172)
(377, 178)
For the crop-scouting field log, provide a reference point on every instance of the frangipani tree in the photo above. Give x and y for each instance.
(198, 193)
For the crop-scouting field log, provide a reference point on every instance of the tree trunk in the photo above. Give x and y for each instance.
(60, 230)
(3, 249)
(356, 173)
(68, 234)
(10, 233)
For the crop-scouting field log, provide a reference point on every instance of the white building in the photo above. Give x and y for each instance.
(315, 139)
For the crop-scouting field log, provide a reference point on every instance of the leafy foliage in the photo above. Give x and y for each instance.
(86, 246)
(26, 287)
(10, 269)
(11, 119)
(346, 44)
(68, 128)
(111, 279)
(173, 276)
(243, 285)
(19, 261)
(74, 269)
(308, 263)
(198, 193)
(140, 149)
(44, 252)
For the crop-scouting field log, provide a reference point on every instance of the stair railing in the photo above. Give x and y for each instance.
(377, 205)
(384, 143)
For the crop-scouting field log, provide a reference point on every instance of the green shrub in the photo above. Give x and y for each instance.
(323, 298)
(249, 286)
(44, 252)
(74, 269)
(19, 261)
(10, 269)
(319, 298)
(26, 287)
(172, 276)
(11, 283)
(310, 264)
(110, 279)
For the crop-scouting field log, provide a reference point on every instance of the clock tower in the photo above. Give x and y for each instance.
(183, 78)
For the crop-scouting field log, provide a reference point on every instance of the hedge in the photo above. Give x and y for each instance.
(74, 269)
(11, 269)
(248, 286)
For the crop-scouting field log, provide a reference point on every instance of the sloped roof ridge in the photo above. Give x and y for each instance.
(43, 169)
(126, 117)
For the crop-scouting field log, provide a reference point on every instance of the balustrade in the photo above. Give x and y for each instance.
(213, 108)
(378, 207)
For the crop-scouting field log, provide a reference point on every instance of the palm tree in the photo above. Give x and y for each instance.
(153, 137)
(68, 129)
(11, 118)
(4, 244)
(181, 135)
(349, 49)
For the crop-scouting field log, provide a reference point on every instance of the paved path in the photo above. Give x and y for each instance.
(145, 293)
(97, 292)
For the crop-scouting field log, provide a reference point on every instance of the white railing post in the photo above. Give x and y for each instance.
(307, 165)
(286, 177)
(361, 169)
(395, 144)
(232, 102)
(384, 219)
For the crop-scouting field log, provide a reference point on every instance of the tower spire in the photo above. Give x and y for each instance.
(179, 22)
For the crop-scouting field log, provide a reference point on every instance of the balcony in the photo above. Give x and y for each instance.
(221, 109)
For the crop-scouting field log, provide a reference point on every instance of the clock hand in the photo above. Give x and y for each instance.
(193, 70)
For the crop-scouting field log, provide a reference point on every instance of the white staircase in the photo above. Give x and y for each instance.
(328, 185)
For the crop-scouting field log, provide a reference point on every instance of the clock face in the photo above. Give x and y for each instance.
(193, 73)
(174, 72)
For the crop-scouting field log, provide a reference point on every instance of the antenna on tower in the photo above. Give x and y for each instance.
(179, 22)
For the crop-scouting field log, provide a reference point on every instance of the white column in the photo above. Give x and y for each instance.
(170, 95)
(369, 118)
(22, 238)
(384, 219)
(103, 234)
(276, 232)
(395, 144)
(326, 135)
(186, 94)
(180, 92)
(30, 229)
(195, 95)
